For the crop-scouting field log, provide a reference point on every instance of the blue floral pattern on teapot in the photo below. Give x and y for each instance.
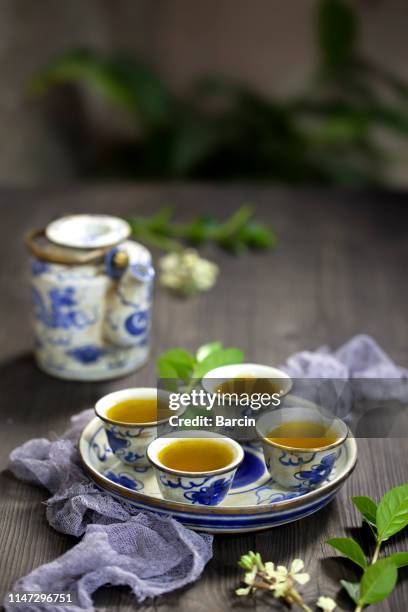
(88, 323)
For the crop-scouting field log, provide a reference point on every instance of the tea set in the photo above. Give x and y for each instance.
(263, 483)
(92, 292)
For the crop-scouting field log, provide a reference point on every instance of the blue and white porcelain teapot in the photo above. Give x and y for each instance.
(92, 291)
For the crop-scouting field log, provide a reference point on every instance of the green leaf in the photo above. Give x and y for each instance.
(351, 549)
(183, 372)
(120, 79)
(235, 222)
(257, 236)
(216, 359)
(147, 95)
(399, 559)
(160, 222)
(207, 349)
(181, 361)
(178, 355)
(233, 244)
(199, 230)
(392, 512)
(367, 507)
(352, 588)
(337, 29)
(166, 370)
(377, 582)
(168, 376)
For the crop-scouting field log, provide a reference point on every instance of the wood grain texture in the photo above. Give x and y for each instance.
(339, 269)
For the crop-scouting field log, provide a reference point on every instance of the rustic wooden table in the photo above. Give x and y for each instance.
(340, 269)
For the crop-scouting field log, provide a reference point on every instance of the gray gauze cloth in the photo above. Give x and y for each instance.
(154, 555)
(351, 382)
(120, 546)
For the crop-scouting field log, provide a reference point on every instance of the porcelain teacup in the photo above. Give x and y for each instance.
(281, 384)
(129, 441)
(205, 488)
(300, 469)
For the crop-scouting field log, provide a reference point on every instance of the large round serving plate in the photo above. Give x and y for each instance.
(255, 501)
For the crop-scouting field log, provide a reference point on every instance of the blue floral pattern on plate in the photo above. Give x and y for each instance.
(268, 494)
(124, 479)
(102, 451)
(252, 468)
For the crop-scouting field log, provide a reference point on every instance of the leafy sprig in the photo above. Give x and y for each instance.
(385, 520)
(237, 233)
(178, 364)
(379, 576)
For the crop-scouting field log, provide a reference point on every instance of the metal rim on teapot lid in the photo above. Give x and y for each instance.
(88, 231)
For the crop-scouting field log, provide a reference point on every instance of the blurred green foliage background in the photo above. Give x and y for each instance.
(332, 132)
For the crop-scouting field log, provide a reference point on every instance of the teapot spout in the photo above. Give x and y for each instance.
(144, 273)
(128, 307)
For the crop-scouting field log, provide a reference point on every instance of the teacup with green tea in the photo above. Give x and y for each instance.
(243, 391)
(195, 467)
(301, 445)
(132, 418)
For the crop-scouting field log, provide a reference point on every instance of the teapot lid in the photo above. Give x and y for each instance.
(77, 239)
(88, 231)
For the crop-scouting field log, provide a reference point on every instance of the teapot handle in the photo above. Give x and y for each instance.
(69, 257)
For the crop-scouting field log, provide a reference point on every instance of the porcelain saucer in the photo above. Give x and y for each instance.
(254, 502)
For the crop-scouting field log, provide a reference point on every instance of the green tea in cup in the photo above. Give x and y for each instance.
(196, 455)
(138, 411)
(302, 435)
(248, 384)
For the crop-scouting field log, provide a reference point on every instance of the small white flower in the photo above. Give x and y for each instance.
(301, 578)
(296, 566)
(250, 576)
(270, 569)
(295, 571)
(279, 576)
(326, 604)
(243, 591)
(187, 272)
(280, 589)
